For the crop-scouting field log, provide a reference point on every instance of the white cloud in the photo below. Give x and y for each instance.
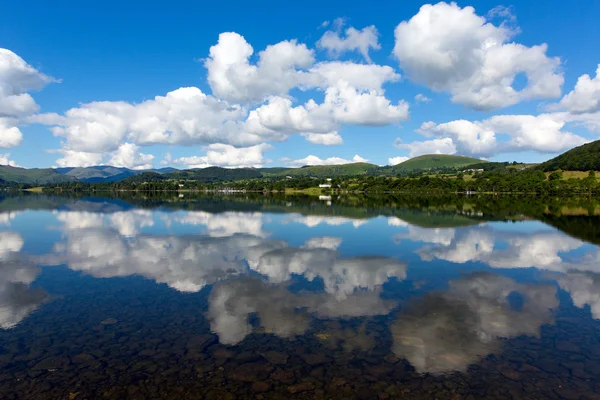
(421, 98)
(585, 97)
(224, 155)
(397, 160)
(354, 40)
(359, 76)
(167, 160)
(435, 146)
(73, 158)
(16, 79)
(541, 133)
(5, 160)
(10, 135)
(448, 48)
(183, 116)
(128, 156)
(264, 112)
(314, 160)
(232, 77)
(363, 108)
(325, 139)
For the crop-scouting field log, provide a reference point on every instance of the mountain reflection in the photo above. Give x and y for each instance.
(447, 331)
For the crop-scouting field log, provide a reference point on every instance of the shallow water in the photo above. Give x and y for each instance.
(293, 298)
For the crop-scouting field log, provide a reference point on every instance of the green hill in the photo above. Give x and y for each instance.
(582, 158)
(32, 176)
(434, 161)
(329, 171)
(215, 174)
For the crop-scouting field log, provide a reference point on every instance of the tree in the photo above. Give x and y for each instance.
(555, 176)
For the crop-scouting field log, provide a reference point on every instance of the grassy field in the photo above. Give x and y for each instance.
(575, 174)
(314, 191)
(38, 189)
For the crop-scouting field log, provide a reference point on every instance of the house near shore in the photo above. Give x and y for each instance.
(327, 184)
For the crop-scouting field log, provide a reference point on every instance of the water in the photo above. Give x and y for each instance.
(298, 298)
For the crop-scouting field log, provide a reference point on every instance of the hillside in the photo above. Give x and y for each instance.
(32, 176)
(434, 161)
(105, 173)
(330, 171)
(215, 174)
(582, 158)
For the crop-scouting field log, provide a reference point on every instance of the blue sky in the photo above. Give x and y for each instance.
(79, 86)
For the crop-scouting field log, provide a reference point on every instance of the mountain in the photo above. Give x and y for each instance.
(434, 161)
(106, 173)
(39, 176)
(328, 171)
(582, 158)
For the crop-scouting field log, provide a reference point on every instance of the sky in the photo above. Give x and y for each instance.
(153, 84)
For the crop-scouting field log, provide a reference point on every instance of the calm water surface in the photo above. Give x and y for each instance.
(224, 299)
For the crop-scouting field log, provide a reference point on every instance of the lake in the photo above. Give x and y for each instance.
(265, 297)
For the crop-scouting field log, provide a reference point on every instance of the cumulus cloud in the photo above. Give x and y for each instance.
(232, 77)
(72, 158)
(421, 98)
(17, 78)
(435, 146)
(128, 156)
(585, 98)
(542, 133)
(5, 160)
(397, 160)
(447, 331)
(325, 139)
(10, 135)
(183, 116)
(314, 160)
(336, 42)
(449, 48)
(224, 155)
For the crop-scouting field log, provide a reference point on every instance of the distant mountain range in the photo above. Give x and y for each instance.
(582, 158)
(43, 176)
